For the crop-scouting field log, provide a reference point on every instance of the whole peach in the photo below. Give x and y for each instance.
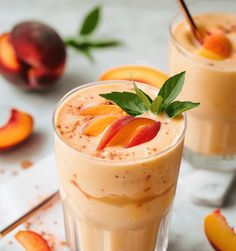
(32, 55)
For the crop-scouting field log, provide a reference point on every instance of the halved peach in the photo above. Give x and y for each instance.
(8, 56)
(113, 130)
(126, 131)
(219, 233)
(143, 134)
(32, 241)
(98, 125)
(98, 110)
(216, 46)
(139, 73)
(18, 128)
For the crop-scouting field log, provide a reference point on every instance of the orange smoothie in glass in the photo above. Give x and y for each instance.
(210, 79)
(117, 188)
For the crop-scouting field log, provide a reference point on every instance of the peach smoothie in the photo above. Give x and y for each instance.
(210, 80)
(115, 198)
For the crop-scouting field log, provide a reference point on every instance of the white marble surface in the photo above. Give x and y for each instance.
(144, 28)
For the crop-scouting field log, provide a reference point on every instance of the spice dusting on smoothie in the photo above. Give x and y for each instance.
(81, 122)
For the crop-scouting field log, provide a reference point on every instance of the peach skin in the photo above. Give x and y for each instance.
(138, 73)
(98, 125)
(113, 130)
(127, 130)
(143, 134)
(32, 55)
(32, 241)
(18, 128)
(98, 110)
(221, 236)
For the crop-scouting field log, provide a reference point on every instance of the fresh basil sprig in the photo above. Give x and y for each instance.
(139, 102)
(83, 42)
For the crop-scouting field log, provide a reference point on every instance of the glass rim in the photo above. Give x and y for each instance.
(100, 160)
(189, 54)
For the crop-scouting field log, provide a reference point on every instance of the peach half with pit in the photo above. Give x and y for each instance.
(32, 241)
(18, 128)
(32, 55)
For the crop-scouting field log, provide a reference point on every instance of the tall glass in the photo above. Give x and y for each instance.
(211, 142)
(113, 207)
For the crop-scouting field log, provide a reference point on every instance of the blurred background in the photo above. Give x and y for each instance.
(142, 26)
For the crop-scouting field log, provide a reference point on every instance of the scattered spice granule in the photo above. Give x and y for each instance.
(147, 189)
(10, 242)
(63, 243)
(2, 171)
(14, 173)
(25, 164)
(36, 187)
(28, 225)
(55, 222)
(42, 233)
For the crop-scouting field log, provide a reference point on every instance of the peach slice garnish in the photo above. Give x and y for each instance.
(139, 73)
(18, 128)
(113, 130)
(8, 56)
(216, 46)
(124, 133)
(98, 110)
(143, 134)
(221, 236)
(98, 125)
(32, 241)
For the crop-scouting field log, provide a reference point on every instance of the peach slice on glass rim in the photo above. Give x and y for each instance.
(221, 236)
(143, 134)
(99, 124)
(140, 73)
(18, 128)
(32, 241)
(98, 110)
(127, 130)
(215, 46)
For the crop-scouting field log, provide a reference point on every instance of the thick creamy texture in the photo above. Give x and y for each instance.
(70, 125)
(116, 204)
(212, 126)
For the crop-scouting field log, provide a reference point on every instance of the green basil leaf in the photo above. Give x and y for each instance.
(178, 107)
(156, 105)
(80, 47)
(171, 89)
(128, 101)
(103, 43)
(142, 96)
(90, 22)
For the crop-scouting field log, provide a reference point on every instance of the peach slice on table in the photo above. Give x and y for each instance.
(126, 131)
(113, 130)
(18, 128)
(215, 46)
(32, 241)
(221, 236)
(139, 73)
(143, 134)
(98, 110)
(98, 125)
